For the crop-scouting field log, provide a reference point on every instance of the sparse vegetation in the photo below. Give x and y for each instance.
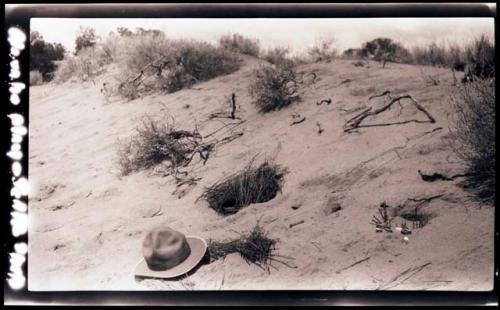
(84, 67)
(474, 129)
(251, 185)
(274, 87)
(323, 51)
(157, 141)
(240, 44)
(35, 78)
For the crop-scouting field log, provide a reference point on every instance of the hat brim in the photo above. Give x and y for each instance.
(198, 248)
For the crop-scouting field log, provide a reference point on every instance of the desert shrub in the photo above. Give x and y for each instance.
(255, 247)
(475, 136)
(240, 44)
(323, 51)
(156, 63)
(198, 61)
(251, 185)
(480, 59)
(43, 55)
(385, 49)
(274, 87)
(35, 78)
(86, 38)
(156, 141)
(277, 56)
(86, 65)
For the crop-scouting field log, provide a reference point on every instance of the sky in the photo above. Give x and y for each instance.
(297, 34)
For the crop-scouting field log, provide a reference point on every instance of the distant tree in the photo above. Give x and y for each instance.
(86, 38)
(124, 32)
(384, 49)
(154, 32)
(43, 55)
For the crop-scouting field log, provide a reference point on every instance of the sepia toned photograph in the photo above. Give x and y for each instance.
(207, 154)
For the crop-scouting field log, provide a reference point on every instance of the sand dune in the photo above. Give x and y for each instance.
(87, 223)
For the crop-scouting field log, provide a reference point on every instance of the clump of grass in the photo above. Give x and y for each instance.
(251, 185)
(474, 129)
(156, 141)
(274, 87)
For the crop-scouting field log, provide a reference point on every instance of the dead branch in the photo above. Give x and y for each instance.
(295, 224)
(299, 121)
(425, 199)
(355, 122)
(438, 176)
(345, 81)
(327, 101)
(353, 264)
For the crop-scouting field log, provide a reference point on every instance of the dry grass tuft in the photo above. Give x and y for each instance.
(251, 185)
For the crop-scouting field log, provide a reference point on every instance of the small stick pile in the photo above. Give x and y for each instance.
(256, 248)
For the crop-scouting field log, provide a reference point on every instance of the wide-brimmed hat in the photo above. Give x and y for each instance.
(169, 254)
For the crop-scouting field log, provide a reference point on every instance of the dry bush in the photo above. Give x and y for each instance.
(274, 87)
(474, 129)
(240, 44)
(36, 78)
(323, 51)
(251, 185)
(157, 141)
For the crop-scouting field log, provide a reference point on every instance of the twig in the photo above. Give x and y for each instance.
(299, 121)
(327, 101)
(233, 100)
(412, 271)
(295, 224)
(353, 264)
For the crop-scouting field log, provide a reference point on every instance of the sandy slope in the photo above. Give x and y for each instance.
(87, 224)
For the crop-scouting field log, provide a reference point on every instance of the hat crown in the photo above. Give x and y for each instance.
(164, 248)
